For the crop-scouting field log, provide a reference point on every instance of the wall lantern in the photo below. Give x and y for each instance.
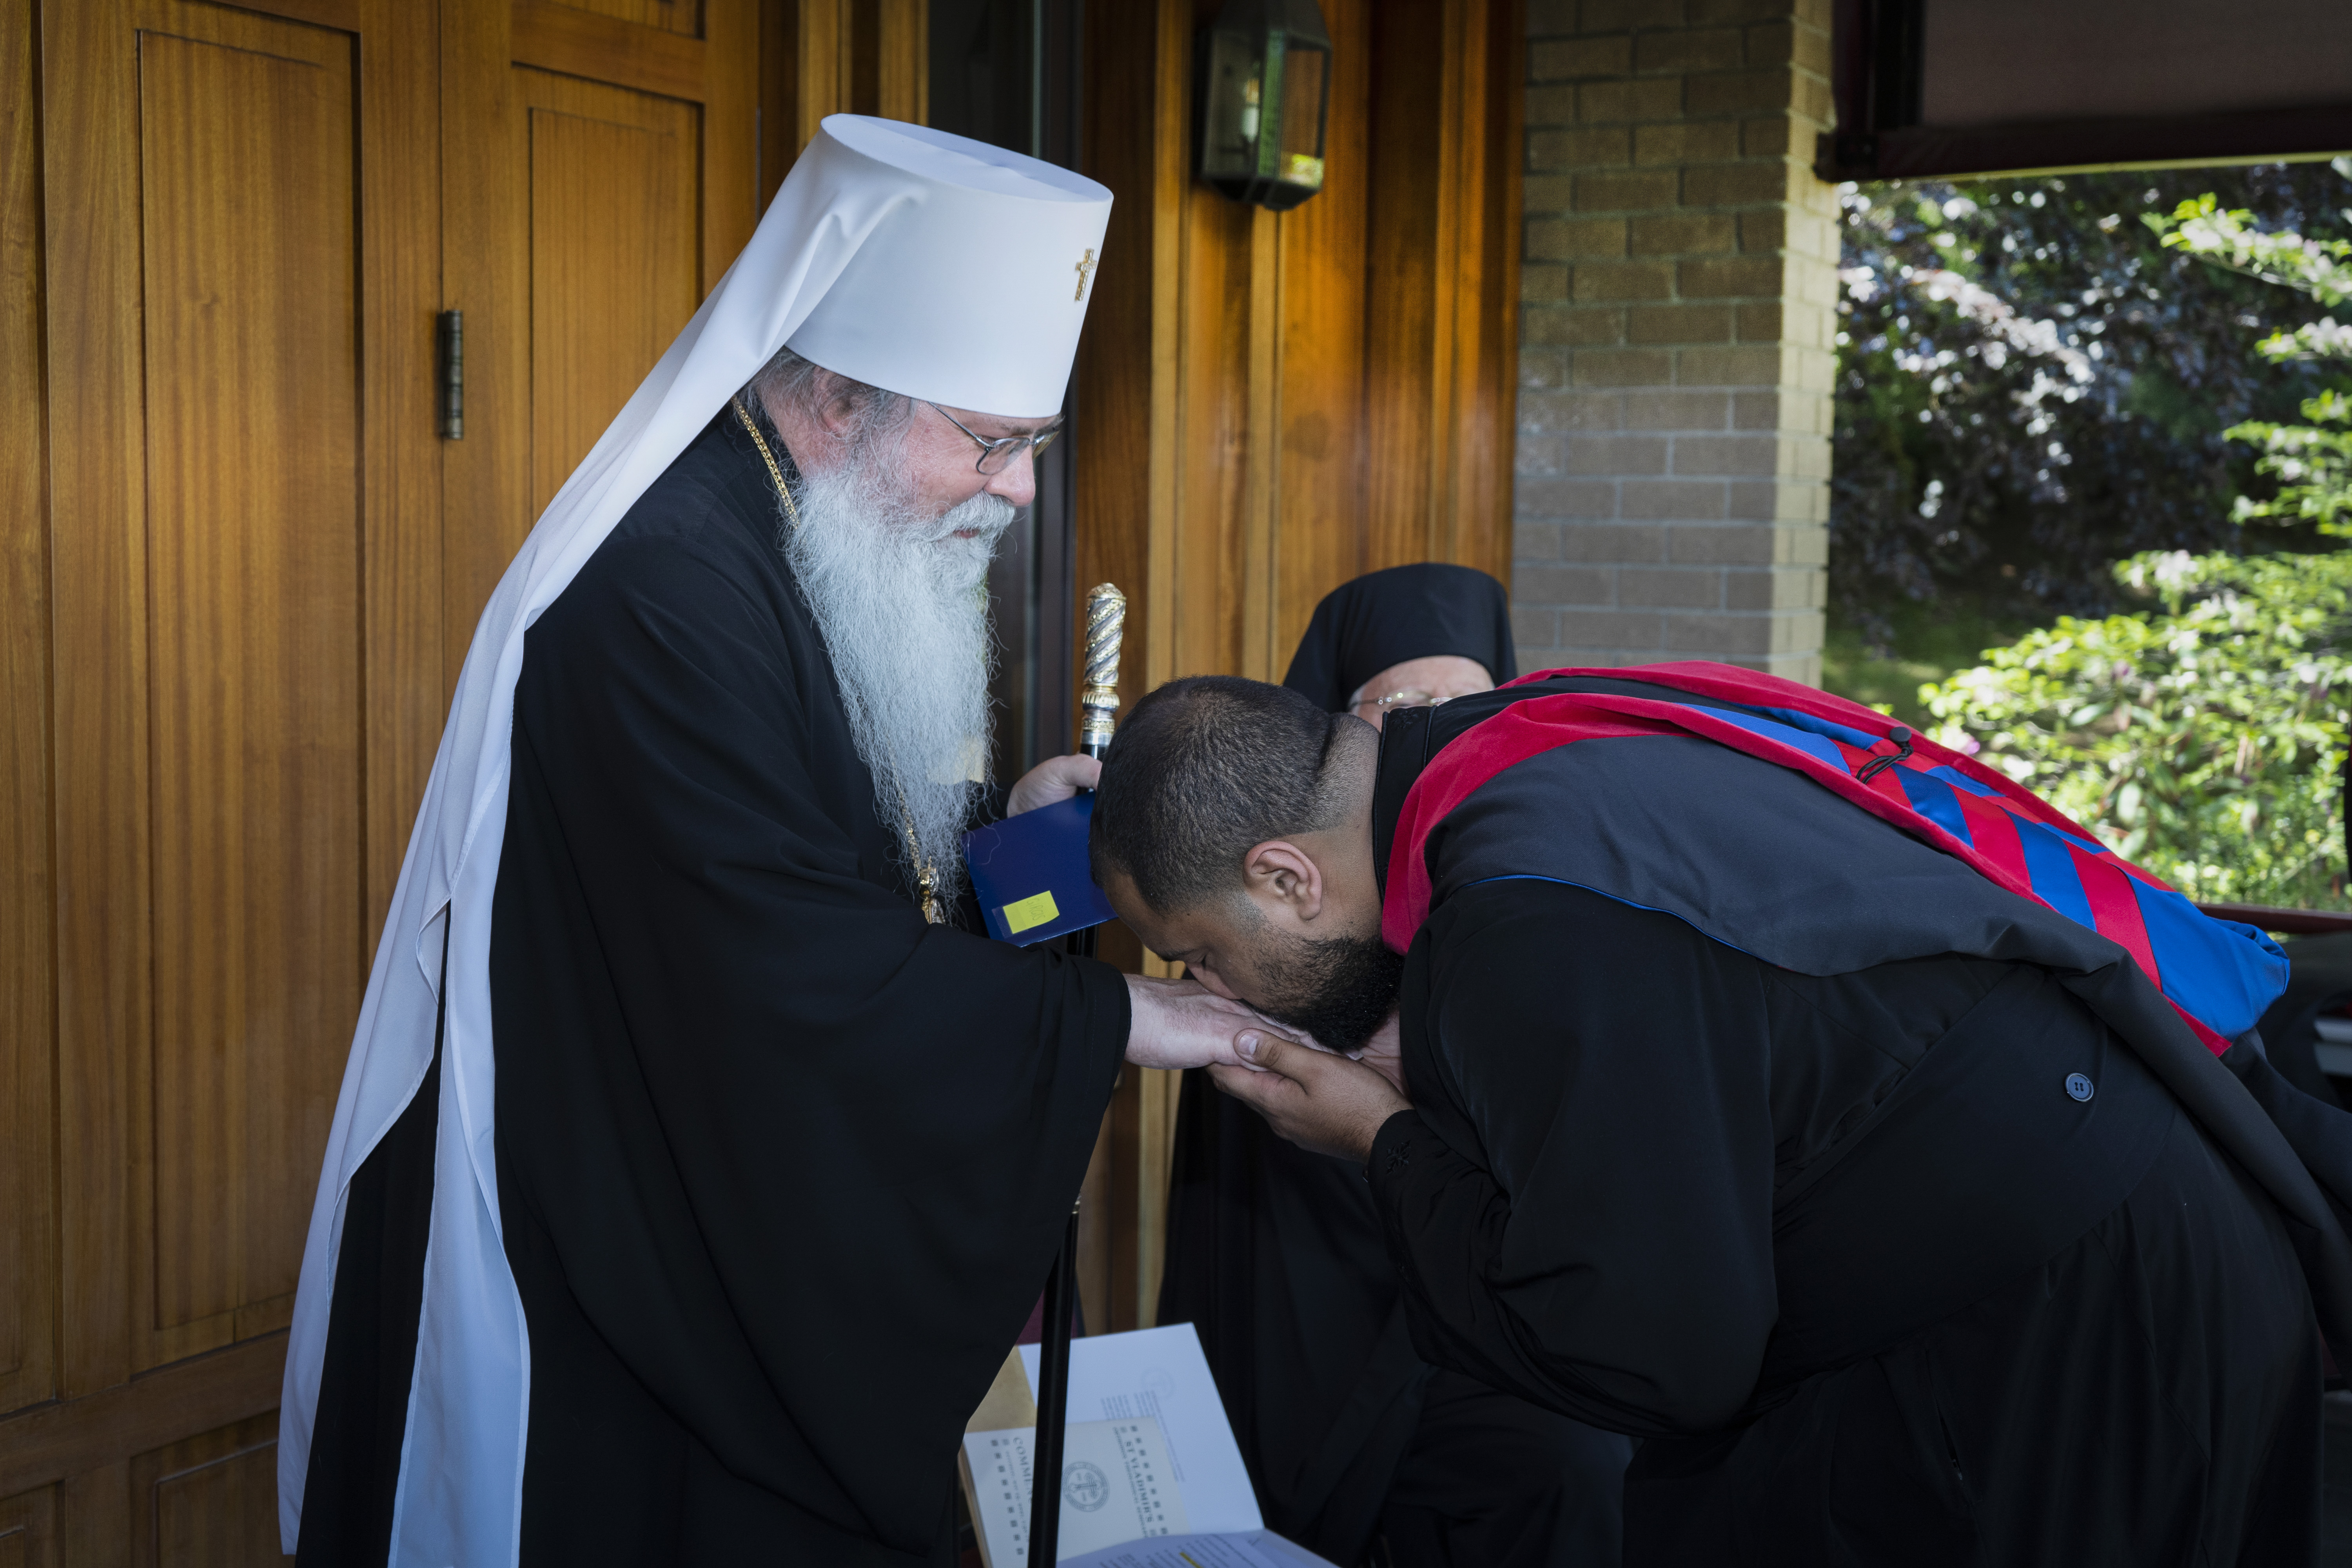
(1262, 96)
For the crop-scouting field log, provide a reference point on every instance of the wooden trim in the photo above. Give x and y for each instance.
(903, 51)
(400, 288)
(1406, 415)
(99, 596)
(824, 67)
(51, 1442)
(1442, 315)
(28, 882)
(340, 15)
(1094, 1268)
(1926, 152)
(2294, 922)
(1167, 179)
(778, 37)
(1480, 357)
(1167, 169)
(731, 154)
(1126, 1219)
(1318, 451)
(602, 48)
(484, 489)
(1262, 469)
(1456, 272)
(1155, 1153)
(1504, 194)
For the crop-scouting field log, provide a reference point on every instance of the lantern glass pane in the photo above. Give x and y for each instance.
(1235, 88)
(1304, 73)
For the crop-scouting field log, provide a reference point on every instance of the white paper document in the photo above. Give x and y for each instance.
(1242, 1549)
(1162, 1373)
(1117, 1485)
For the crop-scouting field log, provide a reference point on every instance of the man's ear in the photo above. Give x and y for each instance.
(838, 411)
(1283, 880)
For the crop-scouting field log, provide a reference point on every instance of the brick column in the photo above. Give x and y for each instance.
(1676, 358)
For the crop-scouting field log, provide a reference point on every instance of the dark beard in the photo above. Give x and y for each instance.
(1340, 990)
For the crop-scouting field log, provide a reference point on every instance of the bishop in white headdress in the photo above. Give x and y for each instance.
(696, 1161)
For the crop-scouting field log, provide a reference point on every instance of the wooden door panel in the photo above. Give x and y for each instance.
(242, 650)
(599, 176)
(250, 271)
(208, 1502)
(680, 17)
(615, 262)
(28, 1530)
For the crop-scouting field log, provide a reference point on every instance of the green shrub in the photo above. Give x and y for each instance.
(2201, 741)
(2204, 740)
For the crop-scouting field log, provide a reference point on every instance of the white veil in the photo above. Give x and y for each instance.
(459, 1496)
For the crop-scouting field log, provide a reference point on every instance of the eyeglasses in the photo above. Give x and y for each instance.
(1410, 696)
(997, 456)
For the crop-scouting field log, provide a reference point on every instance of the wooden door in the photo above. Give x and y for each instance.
(229, 626)
(224, 695)
(600, 174)
(1273, 403)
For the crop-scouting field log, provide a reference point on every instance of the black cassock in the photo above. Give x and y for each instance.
(781, 1168)
(1874, 1278)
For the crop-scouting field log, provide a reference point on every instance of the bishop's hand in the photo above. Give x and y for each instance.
(1384, 1052)
(1181, 1024)
(1051, 782)
(1318, 1101)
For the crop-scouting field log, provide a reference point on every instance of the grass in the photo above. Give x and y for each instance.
(1929, 642)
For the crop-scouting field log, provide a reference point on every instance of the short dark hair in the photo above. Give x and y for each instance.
(1202, 771)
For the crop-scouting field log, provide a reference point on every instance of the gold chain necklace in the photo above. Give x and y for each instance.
(927, 878)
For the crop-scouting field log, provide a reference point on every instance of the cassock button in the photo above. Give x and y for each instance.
(2078, 1086)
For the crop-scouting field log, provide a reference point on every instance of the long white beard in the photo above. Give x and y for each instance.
(901, 603)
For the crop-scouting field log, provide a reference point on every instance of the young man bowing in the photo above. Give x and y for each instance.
(1779, 1089)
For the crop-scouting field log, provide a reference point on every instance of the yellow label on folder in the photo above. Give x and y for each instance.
(1024, 914)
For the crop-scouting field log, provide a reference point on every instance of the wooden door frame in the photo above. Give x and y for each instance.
(836, 57)
(1183, 362)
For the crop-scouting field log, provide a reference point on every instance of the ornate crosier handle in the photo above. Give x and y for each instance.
(1105, 623)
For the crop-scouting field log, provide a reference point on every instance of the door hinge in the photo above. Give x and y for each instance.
(453, 375)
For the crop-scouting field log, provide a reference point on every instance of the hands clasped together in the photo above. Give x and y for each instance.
(1317, 1099)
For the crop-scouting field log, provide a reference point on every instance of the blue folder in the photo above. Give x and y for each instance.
(1032, 874)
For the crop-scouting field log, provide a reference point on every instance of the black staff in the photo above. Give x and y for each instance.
(1106, 621)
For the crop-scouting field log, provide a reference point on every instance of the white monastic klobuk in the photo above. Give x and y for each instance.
(917, 261)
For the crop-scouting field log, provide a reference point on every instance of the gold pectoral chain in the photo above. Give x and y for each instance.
(926, 877)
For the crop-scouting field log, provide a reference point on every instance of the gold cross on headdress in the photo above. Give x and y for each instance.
(1086, 264)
